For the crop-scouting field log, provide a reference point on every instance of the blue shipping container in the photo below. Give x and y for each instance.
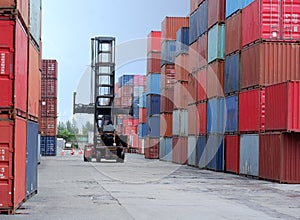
(162, 148)
(31, 159)
(200, 152)
(126, 80)
(192, 140)
(216, 115)
(246, 3)
(215, 152)
(193, 35)
(232, 73)
(142, 130)
(202, 17)
(216, 42)
(232, 109)
(182, 41)
(232, 6)
(153, 84)
(165, 150)
(136, 112)
(168, 51)
(153, 126)
(142, 101)
(153, 105)
(169, 144)
(48, 146)
(249, 154)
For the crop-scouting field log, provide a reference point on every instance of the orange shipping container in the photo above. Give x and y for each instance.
(192, 89)
(151, 148)
(154, 42)
(171, 25)
(181, 95)
(153, 62)
(48, 126)
(166, 124)
(182, 67)
(215, 79)
(142, 115)
(194, 57)
(193, 118)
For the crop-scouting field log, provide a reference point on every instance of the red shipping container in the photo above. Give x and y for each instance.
(233, 33)
(215, 79)
(152, 148)
(193, 118)
(193, 5)
(279, 157)
(167, 100)
(179, 150)
(12, 163)
(216, 12)
(49, 88)
(126, 101)
(142, 115)
(48, 107)
(166, 125)
(126, 90)
(34, 82)
(202, 49)
(21, 5)
(167, 76)
(48, 126)
(49, 69)
(202, 115)
(13, 65)
(194, 57)
(252, 110)
(201, 88)
(154, 42)
(283, 107)
(153, 62)
(171, 25)
(182, 67)
(139, 80)
(192, 89)
(232, 154)
(271, 20)
(270, 63)
(117, 102)
(181, 94)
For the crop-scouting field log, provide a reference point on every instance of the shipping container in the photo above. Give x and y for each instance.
(126, 101)
(165, 149)
(245, 3)
(193, 36)
(192, 89)
(49, 69)
(13, 163)
(181, 95)
(153, 104)
(138, 91)
(252, 110)
(167, 100)
(48, 126)
(49, 88)
(180, 123)
(153, 126)
(201, 152)
(215, 152)
(194, 57)
(142, 115)
(216, 12)
(193, 5)
(279, 157)
(232, 73)
(233, 33)
(201, 87)
(193, 118)
(141, 146)
(34, 82)
(153, 62)
(232, 153)
(182, 67)
(168, 52)
(271, 20)
(179, 150)
(249, 154)
(215, 79)
(192, 141)
(31, 159)
(167, 76)
(232, 113)
(202, 121)
(153, 84)
(171, 25)
(283, 107)
(232, 6)
(139, 80)
(126, 90)
(48, 107)
(166, 125)
(202, 18)
(151, 148)
(182, 41)
(154, 42)
(126, 80)
(216, 115)
(216, 42)
(162, 148)
(202, 51)
(21, 5)
(48, 146)
(13, 69)
(142, 101)
(35, 20)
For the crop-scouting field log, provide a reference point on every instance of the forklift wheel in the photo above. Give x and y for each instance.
(84, 159)
(98, 156)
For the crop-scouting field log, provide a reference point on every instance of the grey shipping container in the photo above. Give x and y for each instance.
(35, 20)
(215, 152)
(200, 152)
(153, 126)
(168, 51)
(249, 154)
(180, 123)
(192, 140)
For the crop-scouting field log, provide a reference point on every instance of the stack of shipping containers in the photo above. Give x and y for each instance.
(48, 108)
(153, 95)
(142, 130)
(20, 46)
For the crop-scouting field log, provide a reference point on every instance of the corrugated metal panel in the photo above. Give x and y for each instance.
(216, 42)
(245, 3)
(151, 148)
(35, 20)
(48, 125)
(202, 51)
(153, 104)
(290, 20)
(215, 152)
(193, 5)
(192, 140)
(192, 89)
(234, 33)
(201, 88)
(193, 27)
(194, 57)
(202, 122)
(179, 150)
(166, 147)
(154, 42)
(282, 107)
(232, 109)
(252, 110)
(153, 84)
(142, 115)
(21, 6)
(48, 146)
(215, 79)
(162, 148)
(232, 73)
(49, 88)
(126, 80)
(232, 6)
(142, 101)
(139, 80)
(171, 25)
(201, 152)
(167, 100)
(153, 62)
(167, 76)
(180, 123)
(232, 153)
(48, 107)
(168, 51)
(142, 130)
(182, 67)
(202, 18)
(181, 95)
(49, 69)
(193, 118)
(153, 126)
(249, 154)
(216, 12)
(138, 91)
(31, 158)
(216, 115)
(182, 41)
(166, 124)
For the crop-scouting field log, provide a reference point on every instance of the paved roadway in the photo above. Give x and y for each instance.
(151, 189)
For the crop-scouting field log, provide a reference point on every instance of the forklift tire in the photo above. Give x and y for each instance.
(122, 158)
(84, 159)
(98, 156)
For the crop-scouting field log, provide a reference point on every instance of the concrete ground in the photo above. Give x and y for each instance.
(151, 189)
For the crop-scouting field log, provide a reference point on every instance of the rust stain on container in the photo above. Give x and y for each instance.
(171, 25)
(233, 34)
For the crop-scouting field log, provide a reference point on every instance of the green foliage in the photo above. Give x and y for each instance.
(67, 131)
(87, 127)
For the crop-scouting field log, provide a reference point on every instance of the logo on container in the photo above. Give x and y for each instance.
(2, 63)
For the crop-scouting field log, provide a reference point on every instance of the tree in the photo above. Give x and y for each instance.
(87, 127)
(61, 128)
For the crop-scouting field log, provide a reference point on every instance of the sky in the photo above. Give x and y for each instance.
(68, 26)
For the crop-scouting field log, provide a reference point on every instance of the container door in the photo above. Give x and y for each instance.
(270, 12)
(290, 20)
